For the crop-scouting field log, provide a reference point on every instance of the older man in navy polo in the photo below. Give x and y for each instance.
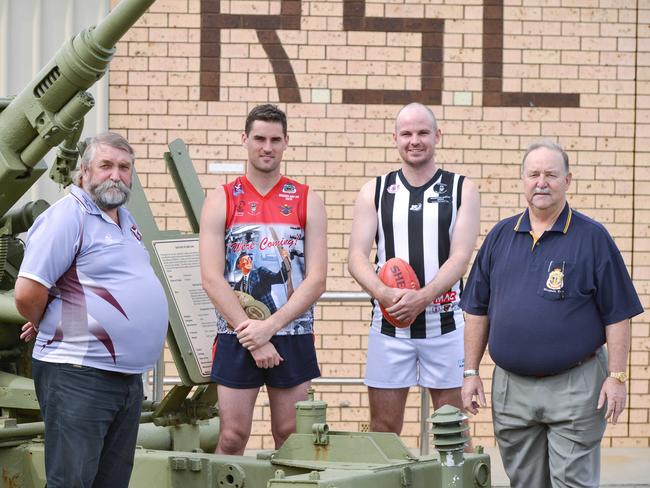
(547, 290)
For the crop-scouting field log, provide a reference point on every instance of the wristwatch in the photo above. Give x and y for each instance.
(621, 376)
(470, 372)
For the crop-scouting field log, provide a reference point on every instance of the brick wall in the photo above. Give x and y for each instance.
(497, 73)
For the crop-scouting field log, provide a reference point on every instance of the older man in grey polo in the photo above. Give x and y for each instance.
(99, 315)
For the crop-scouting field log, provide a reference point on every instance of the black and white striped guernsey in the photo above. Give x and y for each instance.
(415, 224)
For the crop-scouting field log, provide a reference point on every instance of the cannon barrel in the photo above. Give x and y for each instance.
(52, 106)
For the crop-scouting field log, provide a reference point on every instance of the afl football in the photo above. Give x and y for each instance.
(397, 273)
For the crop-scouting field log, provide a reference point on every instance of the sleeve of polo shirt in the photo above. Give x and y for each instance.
(615, 294)
(52, 244)
(476, 294)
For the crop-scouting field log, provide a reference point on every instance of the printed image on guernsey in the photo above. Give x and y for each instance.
(416, 224)
(103, 292)
(265, 237)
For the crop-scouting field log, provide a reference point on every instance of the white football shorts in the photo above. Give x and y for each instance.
(436, 362)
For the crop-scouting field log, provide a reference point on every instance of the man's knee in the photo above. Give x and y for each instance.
(232, 439)
(280, 436)
(449, 396)
(386, 423)
(282, 429)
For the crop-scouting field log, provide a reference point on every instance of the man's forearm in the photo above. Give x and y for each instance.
(33, 312)
(448, 274)
(302, 298)
(364, 273)
(477, 328)
(31, 299)
(225, 301)
(618, 345)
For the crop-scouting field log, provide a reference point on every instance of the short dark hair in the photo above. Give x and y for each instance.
(266, 113)
(548, 144)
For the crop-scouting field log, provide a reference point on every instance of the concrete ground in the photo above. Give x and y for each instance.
(621, 467)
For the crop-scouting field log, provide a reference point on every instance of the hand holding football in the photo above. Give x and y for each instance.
(397, 273)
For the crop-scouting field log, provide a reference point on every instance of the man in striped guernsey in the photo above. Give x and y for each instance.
(430, 218)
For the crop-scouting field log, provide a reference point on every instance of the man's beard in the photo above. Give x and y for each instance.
(109, 194)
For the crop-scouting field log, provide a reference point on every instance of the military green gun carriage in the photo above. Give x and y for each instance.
(178, 433)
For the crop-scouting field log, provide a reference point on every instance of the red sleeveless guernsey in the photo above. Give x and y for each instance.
(265, 245)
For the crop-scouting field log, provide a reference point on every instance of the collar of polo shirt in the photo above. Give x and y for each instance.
(561, 225)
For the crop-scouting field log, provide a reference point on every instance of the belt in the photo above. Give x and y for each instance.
(105, 371)
(579, 363)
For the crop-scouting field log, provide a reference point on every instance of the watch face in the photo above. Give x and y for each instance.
(622, 376)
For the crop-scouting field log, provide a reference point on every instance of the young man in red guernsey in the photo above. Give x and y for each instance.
(263, 235)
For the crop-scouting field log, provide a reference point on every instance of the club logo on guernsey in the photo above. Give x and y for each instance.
(440, 188)
(240, 208)
(237, 189)
(555, 279)
(252, 208)
(285, 210)
(392, 189)
(288, 188)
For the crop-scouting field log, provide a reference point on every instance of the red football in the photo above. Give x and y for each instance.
(397, 273)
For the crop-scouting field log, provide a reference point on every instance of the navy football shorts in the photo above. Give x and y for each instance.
(233, 365)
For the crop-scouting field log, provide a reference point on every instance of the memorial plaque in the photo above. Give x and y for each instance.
(179, 261)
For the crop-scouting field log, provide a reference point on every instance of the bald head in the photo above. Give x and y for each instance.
(413, 108)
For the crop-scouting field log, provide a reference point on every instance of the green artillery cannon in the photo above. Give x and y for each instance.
(179, 432)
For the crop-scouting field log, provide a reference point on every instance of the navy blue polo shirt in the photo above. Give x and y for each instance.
(549, 300)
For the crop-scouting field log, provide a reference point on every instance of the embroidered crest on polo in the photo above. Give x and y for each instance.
(136, 232)
(555, 279)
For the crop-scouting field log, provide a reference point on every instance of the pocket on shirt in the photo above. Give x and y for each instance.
(557, 280)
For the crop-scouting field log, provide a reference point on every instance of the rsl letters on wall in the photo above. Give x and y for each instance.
(354, 18)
